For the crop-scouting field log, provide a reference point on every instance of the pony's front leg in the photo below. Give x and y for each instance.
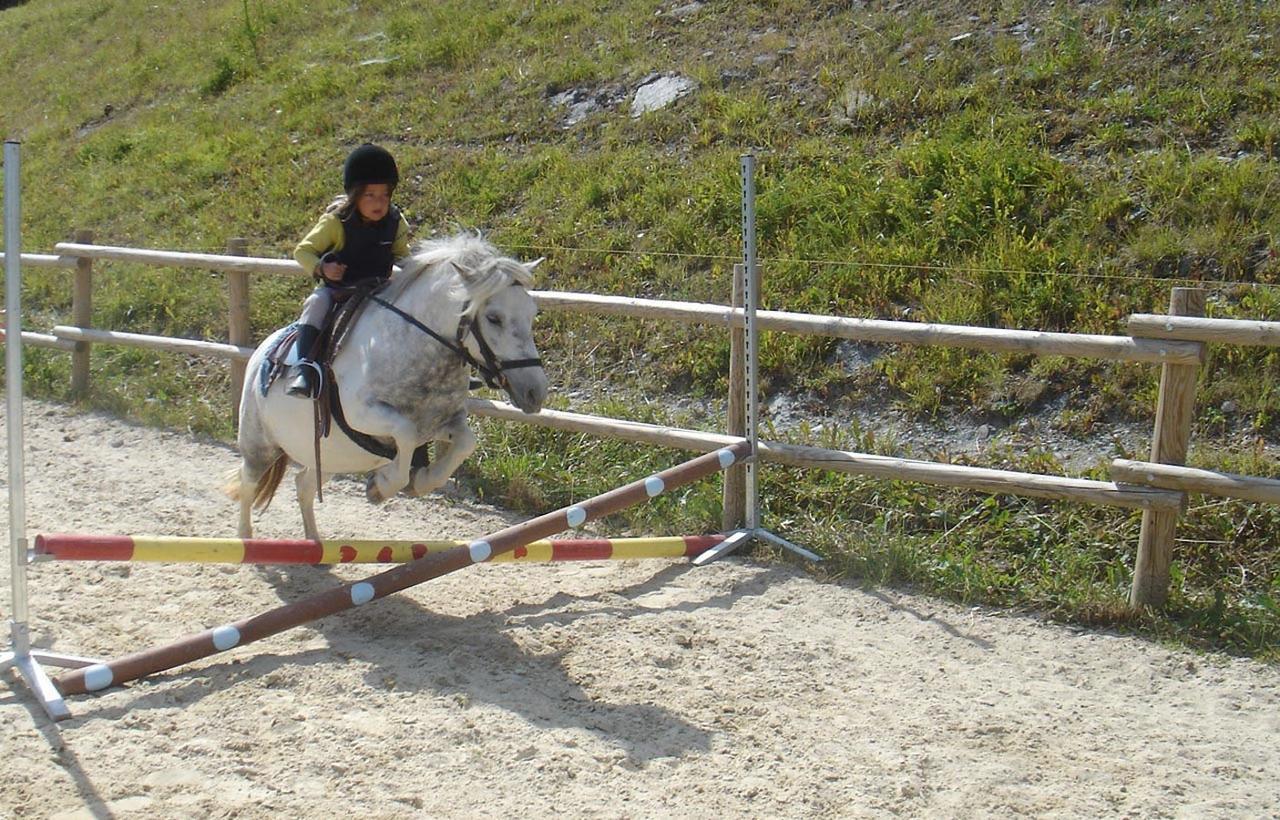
(308, 487)
(381, 420)
(458, 443)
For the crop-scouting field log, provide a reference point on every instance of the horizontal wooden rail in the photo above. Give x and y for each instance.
(1190, 479)
(181, 259)
(167, 343)
(999, 340)
(1198, 329)
(1080, 490)
(898, 469)
(604, 426)
(43, 260)
(43, 340)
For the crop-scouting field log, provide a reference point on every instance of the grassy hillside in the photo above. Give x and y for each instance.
(1021, 164)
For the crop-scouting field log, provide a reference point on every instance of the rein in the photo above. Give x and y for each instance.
(491, 368)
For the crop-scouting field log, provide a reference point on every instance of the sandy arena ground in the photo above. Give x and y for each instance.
(626, 689)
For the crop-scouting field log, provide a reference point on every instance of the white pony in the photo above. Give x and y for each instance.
(402, 375)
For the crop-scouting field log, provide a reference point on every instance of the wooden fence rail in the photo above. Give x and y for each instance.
(167, 343)
(1175, 341)
(991, 339)
(43, 340)
(1200, 329)
(182, 259)
(1190, 479)
(1060, 488)
(43, 260)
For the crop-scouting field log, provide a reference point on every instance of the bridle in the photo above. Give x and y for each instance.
(492, 369)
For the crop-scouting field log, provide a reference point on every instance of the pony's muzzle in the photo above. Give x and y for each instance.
(528, 391)
(533, 400)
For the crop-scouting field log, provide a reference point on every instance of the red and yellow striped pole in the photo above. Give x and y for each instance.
(433, 565)
(187, 550)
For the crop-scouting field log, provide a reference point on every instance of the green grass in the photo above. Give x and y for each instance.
(1059, 168)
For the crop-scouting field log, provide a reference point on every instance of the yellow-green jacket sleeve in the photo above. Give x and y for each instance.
(400, 248)
(324, 237)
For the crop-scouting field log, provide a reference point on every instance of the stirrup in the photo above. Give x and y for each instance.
(305, 385)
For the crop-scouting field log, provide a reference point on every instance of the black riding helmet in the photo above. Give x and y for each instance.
(367, 165)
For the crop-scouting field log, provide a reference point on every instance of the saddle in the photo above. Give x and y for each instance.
(347, 305)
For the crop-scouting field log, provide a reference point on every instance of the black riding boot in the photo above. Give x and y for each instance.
(307, 381)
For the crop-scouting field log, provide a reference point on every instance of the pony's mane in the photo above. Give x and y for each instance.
(480, 271)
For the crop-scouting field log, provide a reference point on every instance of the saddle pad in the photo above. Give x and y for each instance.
(279, 348)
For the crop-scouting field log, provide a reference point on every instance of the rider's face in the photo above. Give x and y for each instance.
(374, 201)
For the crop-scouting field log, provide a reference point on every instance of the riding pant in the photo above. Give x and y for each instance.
(316, 307)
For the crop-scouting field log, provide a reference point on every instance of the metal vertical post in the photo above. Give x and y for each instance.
(733, 514)
(13, 382)
(20, 655)
(751, 293)
(751, 301)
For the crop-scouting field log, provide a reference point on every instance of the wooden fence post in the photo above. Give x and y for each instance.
(735, 478)
(1175, 411)
(238, 330)
(81, 314)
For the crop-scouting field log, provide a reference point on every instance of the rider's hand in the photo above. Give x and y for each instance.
(333, 271)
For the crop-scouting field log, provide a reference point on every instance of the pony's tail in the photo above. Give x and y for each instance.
(266, 487)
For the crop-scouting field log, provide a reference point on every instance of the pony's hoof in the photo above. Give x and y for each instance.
(371, 492)
(421, 484)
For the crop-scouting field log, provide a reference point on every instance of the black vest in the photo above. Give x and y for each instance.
(366, 247)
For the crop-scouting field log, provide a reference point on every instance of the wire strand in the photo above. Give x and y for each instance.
(1224, 283)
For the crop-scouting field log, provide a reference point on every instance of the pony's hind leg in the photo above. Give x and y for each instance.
(254, 482)
(262, 462)
(245, 495)
(308, 487)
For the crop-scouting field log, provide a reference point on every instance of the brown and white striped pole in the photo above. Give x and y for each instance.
(221, 638)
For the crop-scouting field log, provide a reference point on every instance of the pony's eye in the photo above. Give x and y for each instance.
(493, 319)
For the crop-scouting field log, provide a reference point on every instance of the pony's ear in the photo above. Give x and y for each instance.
(535, 263)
